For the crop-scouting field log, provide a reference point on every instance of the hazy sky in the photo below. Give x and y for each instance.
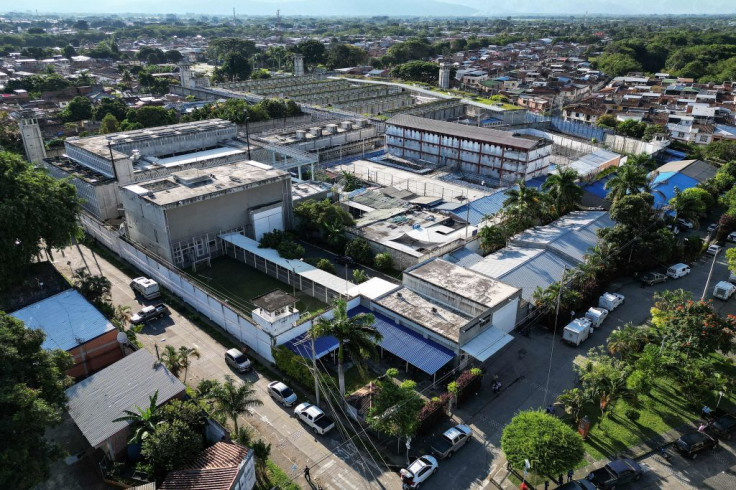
(382, 7)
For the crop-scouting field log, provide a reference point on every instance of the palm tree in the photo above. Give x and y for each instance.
(121, 317)
(628, 179)
(562, 187)
(524, 202)
(357, 336)
(185, 355)
(627, 340)
(233, 401)
(171, 358)
(261, 451)
(573, 401)
(687, 207)
(143, 423)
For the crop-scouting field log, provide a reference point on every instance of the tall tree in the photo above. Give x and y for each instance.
(36, 212)
(395, 406)
(562, 187)
(551, 447)
(143, 421)
(355, 335)
(233, 400)
(171, 446)
(524, 203)
(32, 399)
(687, 206)
(628, 179)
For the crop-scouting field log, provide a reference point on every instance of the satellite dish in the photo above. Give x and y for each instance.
(122, 338)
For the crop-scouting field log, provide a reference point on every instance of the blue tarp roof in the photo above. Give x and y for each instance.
(665, 183)
(302, 346)
(597, 188)
(424, 354)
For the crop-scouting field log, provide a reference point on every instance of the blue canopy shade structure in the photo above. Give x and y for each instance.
(302, 345)
(424, 354)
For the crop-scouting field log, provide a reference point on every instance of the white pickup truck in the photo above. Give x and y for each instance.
(314, 417)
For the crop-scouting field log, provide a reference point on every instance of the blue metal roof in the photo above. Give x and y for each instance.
(597, 188)
(67, 319)
(480, 208)
(664, 186)
(302, 345)
(424, 354)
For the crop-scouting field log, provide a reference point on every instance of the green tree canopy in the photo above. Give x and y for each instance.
(551, 447)
(36, 211)
(32, 398)
(345, 55)
(419, 71)
(109, 124)
(171, 446)
(79, 108)
(395, 406)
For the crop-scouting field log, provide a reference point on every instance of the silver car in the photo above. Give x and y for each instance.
(281, 393)
(238, 361)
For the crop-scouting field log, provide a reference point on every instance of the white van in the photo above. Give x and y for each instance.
(596, 316)
(724, 290)
(148, 288)
(610, 301)
(577, 331)
(678, 270)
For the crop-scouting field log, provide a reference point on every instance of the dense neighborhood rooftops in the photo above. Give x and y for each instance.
(98, 400)
(463, 282)
(486, 135)
(66, 318)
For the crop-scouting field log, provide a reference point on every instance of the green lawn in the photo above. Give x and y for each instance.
(276, 478)
(353, 379)
(241, 283)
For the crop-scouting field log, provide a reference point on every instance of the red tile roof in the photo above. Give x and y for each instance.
(214, 468)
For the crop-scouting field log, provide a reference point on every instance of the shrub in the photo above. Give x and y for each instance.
(383, 261)
(632, 414)
(272, 239)
(432, 413)
(359, 276)
(468, 383)
(293, 366)
(360, 250)
(289, 249)
(326, 266)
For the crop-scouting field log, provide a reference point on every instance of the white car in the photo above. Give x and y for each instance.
(732, 236)
(418, 472)
(685, 223)
(713, 227)
(713, 249)
(281, 393)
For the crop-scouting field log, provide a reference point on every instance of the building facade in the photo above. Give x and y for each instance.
(500, 156)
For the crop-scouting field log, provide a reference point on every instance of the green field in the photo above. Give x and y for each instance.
(240, 283)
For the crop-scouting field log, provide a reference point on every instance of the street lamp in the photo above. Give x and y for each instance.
(247, 135)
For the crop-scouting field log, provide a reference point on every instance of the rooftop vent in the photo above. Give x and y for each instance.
(190, 179)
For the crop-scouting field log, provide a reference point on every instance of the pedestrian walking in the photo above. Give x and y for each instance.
(560, 481)
(546, 485)
(569, 475)
(306, 474)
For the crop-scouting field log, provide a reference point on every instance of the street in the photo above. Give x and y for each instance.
(333, 464)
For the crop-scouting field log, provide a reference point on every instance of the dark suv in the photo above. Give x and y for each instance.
(724, 426)
(694, 443)
(149, 313)
(345, 260)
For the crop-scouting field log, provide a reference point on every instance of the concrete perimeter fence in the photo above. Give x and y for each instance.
(199, 298)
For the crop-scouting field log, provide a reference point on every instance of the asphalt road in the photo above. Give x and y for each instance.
(333, 463)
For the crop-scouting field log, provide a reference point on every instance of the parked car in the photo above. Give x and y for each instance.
(577, 331)
(149, 313)
(449, 442)
(652, 278)
(237, 360)
(314, 417)
(732, 236)
(678, 270)
(615, 473)
(724, 290)
(345, 260)
(596, 316)
(610, 301)
(418, 472)
(577, 485)
(713, 249)
(724, 426)
(281, 393)
(712, 227)
(694, 443)
(148, 288)
(684, 224)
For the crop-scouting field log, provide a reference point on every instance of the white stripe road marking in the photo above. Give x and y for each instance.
(347, 482)
(329, 464)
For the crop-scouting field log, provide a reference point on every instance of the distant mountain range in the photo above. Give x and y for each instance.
(419, 8)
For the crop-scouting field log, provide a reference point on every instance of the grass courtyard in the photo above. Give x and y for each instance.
(241, 283)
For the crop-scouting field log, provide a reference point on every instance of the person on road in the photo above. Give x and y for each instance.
(306, 474)
(569, 475)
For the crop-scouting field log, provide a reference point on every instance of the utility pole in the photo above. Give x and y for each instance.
(707, 281)
(554, 333)
(314, 368)
(247, 135)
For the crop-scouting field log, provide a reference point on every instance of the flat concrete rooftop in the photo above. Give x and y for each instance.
(197, 184)
(463, 282)
(413, 307)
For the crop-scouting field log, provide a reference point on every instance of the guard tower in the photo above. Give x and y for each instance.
(298, 65)
(30, 131)
(275, 312)
(444, 76)
(185, 74)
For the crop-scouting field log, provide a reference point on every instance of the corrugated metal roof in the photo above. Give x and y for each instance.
(477, 211)
(463, 257)
(96, 401)
(407, 344)
(505, 260)
(541, 271)
(67, 319)
(489, 342)
(487, 135)
(302, 345)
